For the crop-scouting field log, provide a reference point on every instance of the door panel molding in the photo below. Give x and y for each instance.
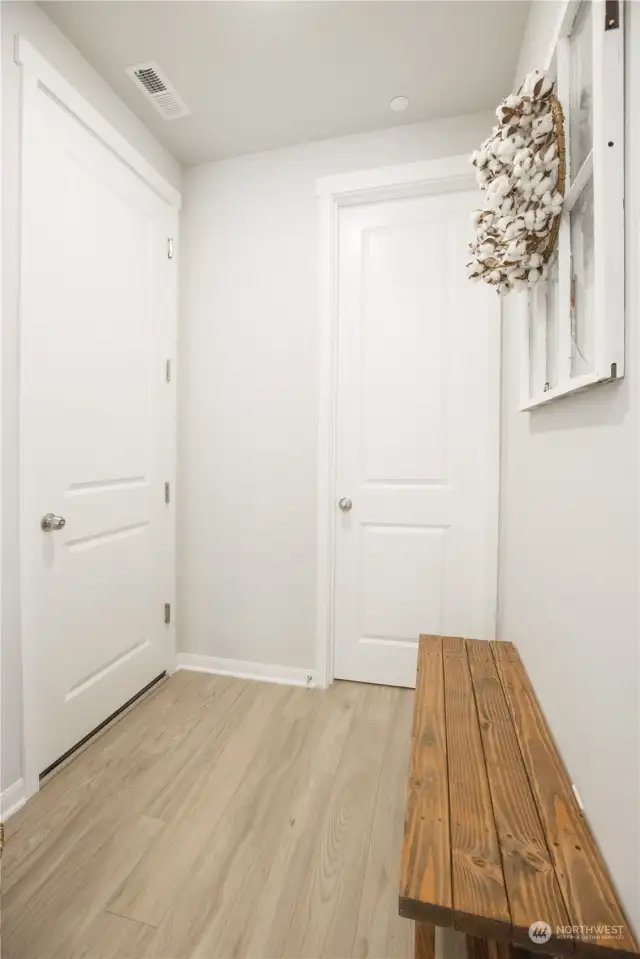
(40, 78)
(444, 175)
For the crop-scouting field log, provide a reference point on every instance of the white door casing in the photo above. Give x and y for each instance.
(97, 417)
(411, 425)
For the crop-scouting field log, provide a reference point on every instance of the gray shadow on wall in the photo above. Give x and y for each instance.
(606, 404)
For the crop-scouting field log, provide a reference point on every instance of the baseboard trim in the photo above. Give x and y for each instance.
(12, 799)
(241, 669)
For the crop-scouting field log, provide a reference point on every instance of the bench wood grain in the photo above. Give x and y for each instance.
(494, 838)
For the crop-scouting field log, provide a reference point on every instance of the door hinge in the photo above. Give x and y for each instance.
(169, 247)
(611, 15)
(167, 371)
(167, 613)
(167, 492)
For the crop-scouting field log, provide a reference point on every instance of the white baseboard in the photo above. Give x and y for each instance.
(12, 799)
(241, 669)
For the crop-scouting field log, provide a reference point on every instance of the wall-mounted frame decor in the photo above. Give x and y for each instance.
(572, 326)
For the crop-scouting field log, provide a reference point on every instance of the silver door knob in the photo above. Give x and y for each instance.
(345, 504)
(50, 522)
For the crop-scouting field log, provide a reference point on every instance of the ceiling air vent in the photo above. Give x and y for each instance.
(156, 87)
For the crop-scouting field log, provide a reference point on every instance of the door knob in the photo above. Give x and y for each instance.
(50, 522)
(345, 504)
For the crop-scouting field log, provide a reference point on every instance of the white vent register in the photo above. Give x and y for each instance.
(156, 88)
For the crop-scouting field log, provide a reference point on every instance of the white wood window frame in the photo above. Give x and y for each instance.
(605, 165)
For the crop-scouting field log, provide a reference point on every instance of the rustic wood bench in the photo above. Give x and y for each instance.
(495, 843)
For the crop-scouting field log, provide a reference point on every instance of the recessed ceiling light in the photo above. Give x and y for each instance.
(399, 104)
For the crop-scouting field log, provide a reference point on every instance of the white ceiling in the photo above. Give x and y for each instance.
(265, 74)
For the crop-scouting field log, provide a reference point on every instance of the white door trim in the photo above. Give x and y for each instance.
(445, 175)
(38, 73)
(35, 69)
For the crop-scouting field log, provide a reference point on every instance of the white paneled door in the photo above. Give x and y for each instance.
(417, 426)
(97, 427)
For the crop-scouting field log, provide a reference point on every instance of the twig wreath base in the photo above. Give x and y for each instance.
(521, 169)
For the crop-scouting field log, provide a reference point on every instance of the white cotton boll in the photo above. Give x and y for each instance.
(546, 199)
(494, 276)
(506, 148)
(501, 185)
(541, 188)
(511, 232)
(543, 124)
(518, 171)
(535, 260)
(512, 101)
(530, 219)
(507, 205)
(550, 153)
(504, 222)
(533, 276)
(476, 216)
(487, 249)
(516, 250)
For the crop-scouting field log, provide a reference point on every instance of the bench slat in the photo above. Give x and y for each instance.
(479, 896)
(532, 885)
(425, 877)
(586, 887)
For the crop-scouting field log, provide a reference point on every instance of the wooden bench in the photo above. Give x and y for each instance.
(495, 840)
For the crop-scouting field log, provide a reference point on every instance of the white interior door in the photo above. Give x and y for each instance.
(97, 429)
(417, 428)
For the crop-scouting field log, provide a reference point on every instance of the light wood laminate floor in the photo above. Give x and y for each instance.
(219, 818)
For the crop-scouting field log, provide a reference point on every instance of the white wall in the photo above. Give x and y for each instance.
(569, 545)
(25, 17)
(248, 407)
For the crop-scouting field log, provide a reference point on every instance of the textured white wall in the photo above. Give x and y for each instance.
(24, 17)
(569, 543)
(249, 388)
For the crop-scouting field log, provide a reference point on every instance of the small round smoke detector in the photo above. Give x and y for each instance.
(399, 104)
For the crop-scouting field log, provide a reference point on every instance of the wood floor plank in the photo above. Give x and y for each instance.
(426, 864)
(108, 769)
(591, 900)
(257, 792)
(381, 931)
(326, 909)
(258, 924)
(79, 894)
(155, 885)
(219, 874)
(531, 882)
(113, 937)
(479, 896)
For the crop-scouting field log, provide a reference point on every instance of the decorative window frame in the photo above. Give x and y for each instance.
(605, 166)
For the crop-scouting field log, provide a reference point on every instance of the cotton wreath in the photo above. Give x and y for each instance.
(520, 167)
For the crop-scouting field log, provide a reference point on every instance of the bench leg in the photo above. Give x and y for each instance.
(425, 944)
(491, 949)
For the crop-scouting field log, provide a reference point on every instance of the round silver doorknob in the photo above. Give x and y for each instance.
(50, 522)
(345, 504)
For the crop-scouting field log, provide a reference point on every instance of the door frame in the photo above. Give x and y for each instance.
(38, 76)
(444, 175)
